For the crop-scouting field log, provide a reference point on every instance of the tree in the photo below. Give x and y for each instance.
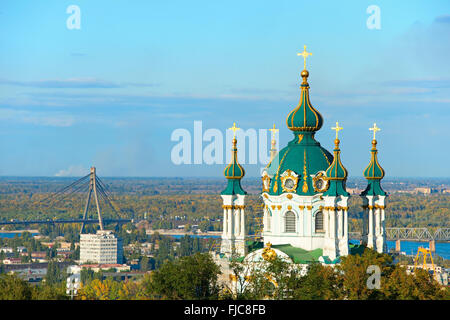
(320, 283)
(191, 277)
(54, 274)
(418, 286)
(354, 276)
(14, 288)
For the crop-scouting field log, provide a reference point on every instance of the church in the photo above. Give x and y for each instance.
(305, 206)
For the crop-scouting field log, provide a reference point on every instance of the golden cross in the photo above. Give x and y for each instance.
(337, 129)
(234, 128)
(374, 129)
(274, 131)
(304, 54)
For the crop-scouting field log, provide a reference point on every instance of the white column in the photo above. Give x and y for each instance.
(346, 224)
(325, 223)
(333, 224)
(242, 223)
(370, 236)
(224, 231)
(230, 222)
(236, 221)
(340, 224)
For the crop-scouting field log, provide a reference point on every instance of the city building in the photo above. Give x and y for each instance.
(101, 248)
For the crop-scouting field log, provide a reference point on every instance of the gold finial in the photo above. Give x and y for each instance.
(374, 129)
(234, 129)
(274, 131)
(337, 129)
(304, 54)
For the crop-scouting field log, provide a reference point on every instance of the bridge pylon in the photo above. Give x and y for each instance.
(92, 189)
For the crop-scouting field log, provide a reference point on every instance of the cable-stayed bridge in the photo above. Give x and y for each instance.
(97, 192)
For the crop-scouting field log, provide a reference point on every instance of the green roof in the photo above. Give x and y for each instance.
(299, 255)
(336, 174)
(304, 117)
(234, 173)
(304, 156)
(373, 173)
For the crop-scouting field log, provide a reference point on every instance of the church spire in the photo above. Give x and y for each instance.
(234, 172)
(374, 172)
(304, 117)
(273, 148)
(336, 173)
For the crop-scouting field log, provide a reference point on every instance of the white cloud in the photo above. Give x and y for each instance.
(72, 171)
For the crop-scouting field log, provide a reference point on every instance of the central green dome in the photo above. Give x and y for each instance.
(303, 155)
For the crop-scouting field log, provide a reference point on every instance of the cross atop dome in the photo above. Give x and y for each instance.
(374, 129)
(234, 129)
(337, 129)
(274, 131)
(305, 55)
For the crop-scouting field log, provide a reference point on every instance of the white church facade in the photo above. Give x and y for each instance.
(305, 199)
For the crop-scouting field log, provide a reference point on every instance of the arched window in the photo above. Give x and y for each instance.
(289, 222)
(319, 221)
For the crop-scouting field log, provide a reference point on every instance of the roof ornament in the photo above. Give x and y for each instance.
(374, 129)
(337, 129)
(234, 129)
(305, 55)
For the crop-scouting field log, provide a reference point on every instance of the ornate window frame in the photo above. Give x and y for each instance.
(322, 176)
(289, 174)
(265, 182)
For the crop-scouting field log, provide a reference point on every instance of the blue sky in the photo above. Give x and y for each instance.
(111, 93)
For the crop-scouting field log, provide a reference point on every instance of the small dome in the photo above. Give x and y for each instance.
(304, 117)
(336, 174)
(336, 171)
(374, 173)
(234, 170)
(374, 170)
(234, 173)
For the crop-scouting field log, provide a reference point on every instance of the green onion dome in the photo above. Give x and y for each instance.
(336, 174)
(234, 172)
(304, 117)
(303, 158)
(374, 173)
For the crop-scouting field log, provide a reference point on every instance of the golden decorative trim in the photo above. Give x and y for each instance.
(305, 174)
(265, 183)
(268, 253)
(380, 206)
(309, 207)
(300, 138)
(320, 176)
(279, 207)
(275, 187)
(289, 174)
(265, 196)
(273, 207)
(289, 207)
(233, 206)
(301, 207)
(289, 196)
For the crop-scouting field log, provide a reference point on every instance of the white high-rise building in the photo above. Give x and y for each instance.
(101, 248)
